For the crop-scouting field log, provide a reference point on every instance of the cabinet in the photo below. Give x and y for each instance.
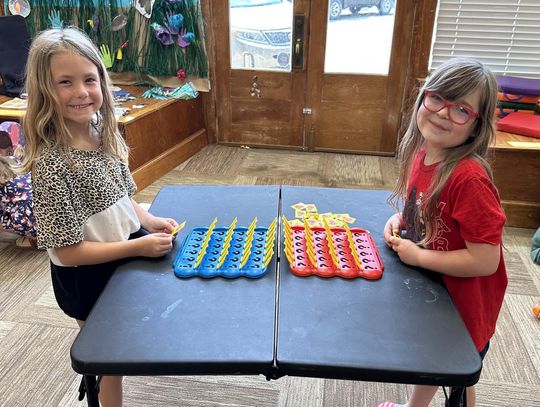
(516, 169)
(161, 134)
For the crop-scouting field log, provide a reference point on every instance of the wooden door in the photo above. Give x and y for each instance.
(301, 106)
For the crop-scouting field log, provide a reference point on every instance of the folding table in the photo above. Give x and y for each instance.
(402, 328)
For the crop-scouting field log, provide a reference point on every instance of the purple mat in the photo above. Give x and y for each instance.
(519, 86)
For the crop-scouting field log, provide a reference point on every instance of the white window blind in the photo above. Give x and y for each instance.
(504, 34)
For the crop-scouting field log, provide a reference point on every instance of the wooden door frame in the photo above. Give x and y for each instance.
(422, 13)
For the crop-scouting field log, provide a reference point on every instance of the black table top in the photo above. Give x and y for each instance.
(402, 328)
(149, 322)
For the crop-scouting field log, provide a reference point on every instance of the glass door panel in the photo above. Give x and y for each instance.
(260, 34)
(359, 36)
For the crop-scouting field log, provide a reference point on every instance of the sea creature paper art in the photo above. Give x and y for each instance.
(144, 7)
(119, 22)
(19, 7)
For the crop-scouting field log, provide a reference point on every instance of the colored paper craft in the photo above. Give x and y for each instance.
(144, 7)
(19, 7)
(119, 22)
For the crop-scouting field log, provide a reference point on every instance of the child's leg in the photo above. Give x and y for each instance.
(422, 395)
(110, 388)
(471, 396)
(110, 391)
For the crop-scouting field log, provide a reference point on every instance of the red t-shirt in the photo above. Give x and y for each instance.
(470, 210)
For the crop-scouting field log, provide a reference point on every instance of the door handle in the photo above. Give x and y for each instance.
(298, 41)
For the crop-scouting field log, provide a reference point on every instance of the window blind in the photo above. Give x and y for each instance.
(503, 34)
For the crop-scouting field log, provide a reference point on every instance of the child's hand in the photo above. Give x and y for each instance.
(156, 224)
(155, 245)
(407, 251)
(106, 55)
(392, 228)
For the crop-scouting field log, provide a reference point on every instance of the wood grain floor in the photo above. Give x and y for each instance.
(35, 336)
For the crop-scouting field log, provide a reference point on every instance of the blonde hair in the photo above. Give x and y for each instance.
(454, 79)
(44, 126)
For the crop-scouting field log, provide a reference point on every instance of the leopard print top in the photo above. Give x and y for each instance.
(66, 196)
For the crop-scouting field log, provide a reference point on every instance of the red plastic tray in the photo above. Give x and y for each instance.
(372, 265)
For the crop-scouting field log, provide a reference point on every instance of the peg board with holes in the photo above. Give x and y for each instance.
(330, 252)
(228, 252)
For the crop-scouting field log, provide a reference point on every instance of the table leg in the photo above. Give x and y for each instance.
(92, 390)
(458, 397)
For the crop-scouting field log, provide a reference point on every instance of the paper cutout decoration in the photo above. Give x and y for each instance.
(172, 26)
(174, 22)
(106, 55)
(55, 20)
(94, 23)
(119, 22)
(186, 91)
(144, 7)
(19, 7)
(162, 34)
(185, 38)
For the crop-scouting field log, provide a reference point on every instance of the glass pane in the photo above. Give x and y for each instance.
(261, 32)
(359, 36)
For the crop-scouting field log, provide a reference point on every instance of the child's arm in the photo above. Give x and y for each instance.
(157, 244)
(151, 223)
(478, 259)
(87, 252)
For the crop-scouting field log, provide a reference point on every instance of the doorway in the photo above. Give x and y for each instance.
(312, 75)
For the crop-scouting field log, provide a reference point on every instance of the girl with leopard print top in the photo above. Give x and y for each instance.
(86, 217)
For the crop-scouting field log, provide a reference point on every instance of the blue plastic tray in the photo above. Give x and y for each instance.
(187, 255)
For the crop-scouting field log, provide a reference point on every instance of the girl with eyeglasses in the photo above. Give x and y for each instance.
(450, 218)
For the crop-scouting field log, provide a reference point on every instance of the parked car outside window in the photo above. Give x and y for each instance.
(335, 7)
(261, 32)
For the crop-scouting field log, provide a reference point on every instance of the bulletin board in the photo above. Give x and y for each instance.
(158, 39)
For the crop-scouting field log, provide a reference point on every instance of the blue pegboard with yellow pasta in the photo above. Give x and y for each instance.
(227, 252)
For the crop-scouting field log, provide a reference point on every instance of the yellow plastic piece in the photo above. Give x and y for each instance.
(226, 243)
(204, 246)
(178, 228)
(352, 246)
(247, 243)
(310, 246)
(330, 241)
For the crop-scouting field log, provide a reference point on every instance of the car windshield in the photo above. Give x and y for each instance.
(252, 3)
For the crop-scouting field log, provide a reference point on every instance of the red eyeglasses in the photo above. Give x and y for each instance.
(457, 113)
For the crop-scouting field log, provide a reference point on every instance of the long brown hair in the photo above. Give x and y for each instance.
(454, 79)
(44, 126)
